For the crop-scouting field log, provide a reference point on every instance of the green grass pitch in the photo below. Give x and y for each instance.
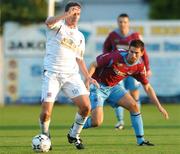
(18, 124)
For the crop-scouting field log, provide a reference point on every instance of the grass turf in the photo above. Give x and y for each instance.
(18, 124)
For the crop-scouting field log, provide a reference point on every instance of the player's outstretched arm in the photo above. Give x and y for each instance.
(152, 95)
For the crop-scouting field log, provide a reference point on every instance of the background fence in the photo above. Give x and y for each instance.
(24, 48)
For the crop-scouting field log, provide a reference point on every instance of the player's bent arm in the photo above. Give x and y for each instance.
(92, 68)
(152, 95)
(83, 67)
(50, 21)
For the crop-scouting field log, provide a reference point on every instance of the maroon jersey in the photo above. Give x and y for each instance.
(116, 41)
(113, 67)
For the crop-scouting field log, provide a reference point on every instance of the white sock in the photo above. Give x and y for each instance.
(78, 125)
(44, 126)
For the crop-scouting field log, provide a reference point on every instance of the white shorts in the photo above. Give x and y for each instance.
(71, 84)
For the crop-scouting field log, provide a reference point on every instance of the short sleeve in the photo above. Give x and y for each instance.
(141, 76)
(107, 59)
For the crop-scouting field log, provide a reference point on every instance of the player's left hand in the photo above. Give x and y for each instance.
(164, 112)
(91, 80)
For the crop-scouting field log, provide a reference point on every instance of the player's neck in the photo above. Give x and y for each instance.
(124, 32)
(70, 25)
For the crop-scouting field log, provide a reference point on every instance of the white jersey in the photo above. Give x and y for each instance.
(63, 46)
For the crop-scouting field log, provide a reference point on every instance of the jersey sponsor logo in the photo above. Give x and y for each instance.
(69, 43)
(117, 72)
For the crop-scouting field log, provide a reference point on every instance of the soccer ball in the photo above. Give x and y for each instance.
(41, 143)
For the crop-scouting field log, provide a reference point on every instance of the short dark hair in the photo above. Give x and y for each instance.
(137, 44)
(71, 4)
(123, 15)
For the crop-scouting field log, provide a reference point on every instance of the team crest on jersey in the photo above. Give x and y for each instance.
(69, 43)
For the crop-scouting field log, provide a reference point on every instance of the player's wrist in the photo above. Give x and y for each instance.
(88, 78)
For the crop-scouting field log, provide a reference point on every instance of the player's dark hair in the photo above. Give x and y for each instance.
(123, 15)
(71, 4)
(137, 44)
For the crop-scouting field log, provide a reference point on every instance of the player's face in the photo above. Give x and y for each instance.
(73, 20)
(134, 54)
(123, 23)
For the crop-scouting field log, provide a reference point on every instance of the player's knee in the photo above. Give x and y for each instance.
(96, 123)
(134, 107)
(86, 110)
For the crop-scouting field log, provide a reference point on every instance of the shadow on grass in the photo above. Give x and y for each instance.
(30, 127)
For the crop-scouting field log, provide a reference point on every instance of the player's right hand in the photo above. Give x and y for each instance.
(90, 80)
(71, 11)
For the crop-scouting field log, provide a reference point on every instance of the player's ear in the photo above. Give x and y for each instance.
(142, 53)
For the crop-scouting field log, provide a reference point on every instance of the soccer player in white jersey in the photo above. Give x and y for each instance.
(64, 56)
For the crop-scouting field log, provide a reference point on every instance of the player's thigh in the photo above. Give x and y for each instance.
(50, 87)
(129, 103)
(75, 89)
(117, 92)
(98, 96)
(82, 102)
(135, 94)
(131, 84)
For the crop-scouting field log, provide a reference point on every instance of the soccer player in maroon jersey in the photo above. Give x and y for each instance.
(120, 39)
(111, 68)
